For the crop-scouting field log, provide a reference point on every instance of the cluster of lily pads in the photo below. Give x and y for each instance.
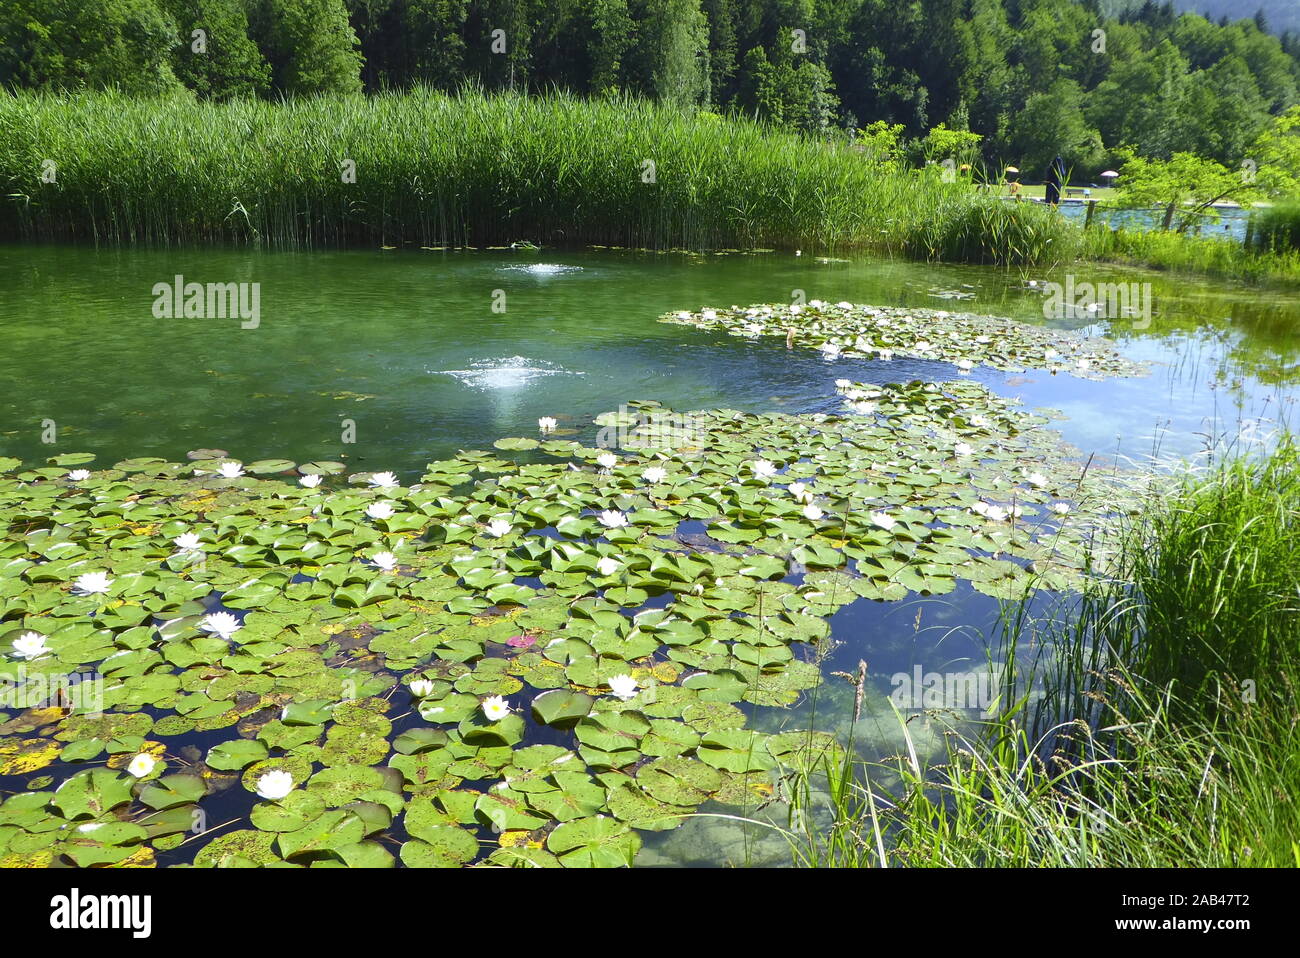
(528, 657)
(966, 340)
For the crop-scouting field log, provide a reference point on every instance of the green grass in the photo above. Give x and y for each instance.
(1277, 228)
(995, 232)
(1167, 734)
(467, 170)
(1205, 256)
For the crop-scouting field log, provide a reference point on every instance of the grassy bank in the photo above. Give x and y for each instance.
(474, 170)
(1203, 256)
(1166, 734)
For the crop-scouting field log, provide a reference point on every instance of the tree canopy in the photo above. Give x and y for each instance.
(1032, 79)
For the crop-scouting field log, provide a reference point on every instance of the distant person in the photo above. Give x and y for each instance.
(1054, 181)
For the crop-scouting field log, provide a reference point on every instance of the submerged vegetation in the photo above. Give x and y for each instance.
(1160, 726)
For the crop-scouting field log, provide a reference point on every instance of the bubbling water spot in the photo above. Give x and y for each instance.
(511, 373)
(543, 269)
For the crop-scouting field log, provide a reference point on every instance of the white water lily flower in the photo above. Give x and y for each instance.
(142, 765)
(863, 408)
(709, 314)
(829, 350)
(922, 345)
(309, 482)
(812, 512)
(380, 510)
(995, 513)
(623, 687)
(883, 520)
(495, 708)
(612, 519)
(383, 480)
(231, 470)
(844, 304)
(421, 688)
(979, 422)
(187, 541)
(843, 384)
(753, 329)
(1051, 354)
(79, 475)
(607, 566)
(30, 645)
(963, 449)
(885, 354)
(980, 508)
(965, 365)
(222, 624)
(1084, 363)
(275, 785)
(800, 492)
(655, 474)
(1060, 508)
(546, 423)
(91, 583)
(384, 560)
(1036, 479)
(762, 468)
(607, 460)
(499, 527)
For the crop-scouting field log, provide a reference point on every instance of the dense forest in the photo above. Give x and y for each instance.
(1031, 77)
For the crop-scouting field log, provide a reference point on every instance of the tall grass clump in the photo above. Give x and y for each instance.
(1277, 228)
(436, 169)
(1166, 733)
(1218, 583)
(971, 228)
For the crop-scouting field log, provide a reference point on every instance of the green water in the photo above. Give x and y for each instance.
(402, 351)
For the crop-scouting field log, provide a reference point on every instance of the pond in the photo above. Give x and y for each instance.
(406, 345)
(1230, 224)
(388, 360)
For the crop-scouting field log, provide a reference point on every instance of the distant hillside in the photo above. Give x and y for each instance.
(1282, 15)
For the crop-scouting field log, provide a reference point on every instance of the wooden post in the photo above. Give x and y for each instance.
(1250, 229)
(1092, 208)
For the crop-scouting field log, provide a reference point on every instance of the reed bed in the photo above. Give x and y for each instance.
(464, 170)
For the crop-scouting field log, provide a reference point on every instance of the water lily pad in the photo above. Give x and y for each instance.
(561, 708)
